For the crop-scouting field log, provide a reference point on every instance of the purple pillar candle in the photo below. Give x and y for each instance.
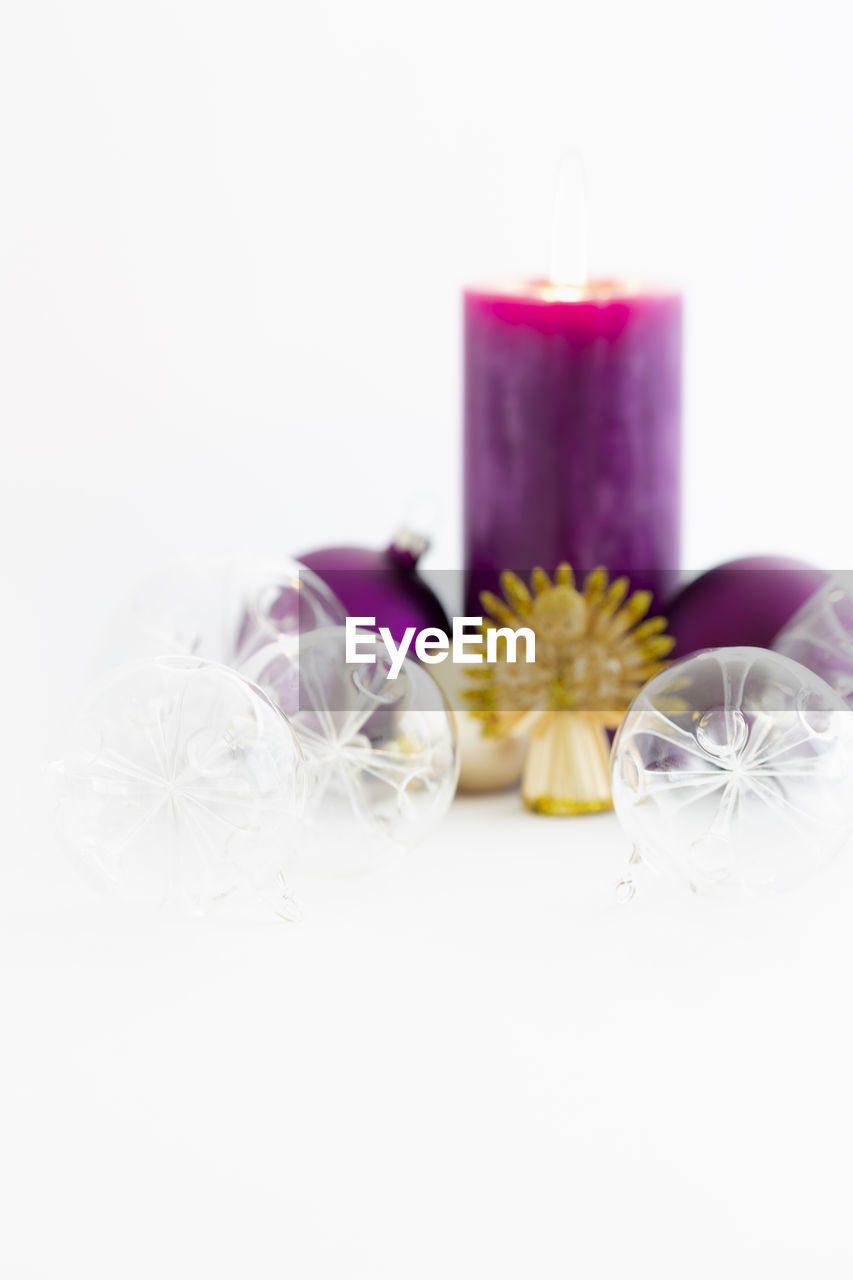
(572, 432)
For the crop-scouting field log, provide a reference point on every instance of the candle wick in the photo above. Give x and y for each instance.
(568, 259)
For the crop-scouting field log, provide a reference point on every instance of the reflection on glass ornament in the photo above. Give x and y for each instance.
(733, 769)
(223, 610)
(488, 763)
(492, 762)
(381, 753)
(594, 650)
(184, 785)
(820, 635)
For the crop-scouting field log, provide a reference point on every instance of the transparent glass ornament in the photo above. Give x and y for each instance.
(183, 785)
(222, 610)
(820, 635)
(733, 769)
(381, 753)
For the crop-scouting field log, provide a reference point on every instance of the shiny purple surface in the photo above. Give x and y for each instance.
(742, 602)
(381, 584)
(572, 435)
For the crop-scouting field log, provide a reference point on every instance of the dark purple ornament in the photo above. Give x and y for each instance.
(384, 585)
(741, 602)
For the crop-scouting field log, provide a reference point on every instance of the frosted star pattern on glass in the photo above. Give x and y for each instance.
(733, 769)
(183, 785)
(820, 635)
(381, 753)
(222, 610)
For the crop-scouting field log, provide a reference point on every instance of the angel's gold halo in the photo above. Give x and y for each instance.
(594, 652)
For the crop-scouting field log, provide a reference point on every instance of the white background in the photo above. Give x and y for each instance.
(232, 239)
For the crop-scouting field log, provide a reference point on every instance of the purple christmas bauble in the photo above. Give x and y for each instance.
(740, 603)
(384, 585)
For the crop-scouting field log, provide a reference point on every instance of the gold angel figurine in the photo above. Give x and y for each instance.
(593, 654)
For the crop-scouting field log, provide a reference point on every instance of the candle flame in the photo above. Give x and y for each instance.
(564, 292)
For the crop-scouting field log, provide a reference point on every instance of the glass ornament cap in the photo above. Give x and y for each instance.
(733, 769)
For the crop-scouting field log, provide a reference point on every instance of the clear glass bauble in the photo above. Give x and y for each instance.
(820, 635)
(183, 785)
(381, 752)
(733, 769)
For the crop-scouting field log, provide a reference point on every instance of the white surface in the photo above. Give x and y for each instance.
(475, 1064)
(231, 243)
